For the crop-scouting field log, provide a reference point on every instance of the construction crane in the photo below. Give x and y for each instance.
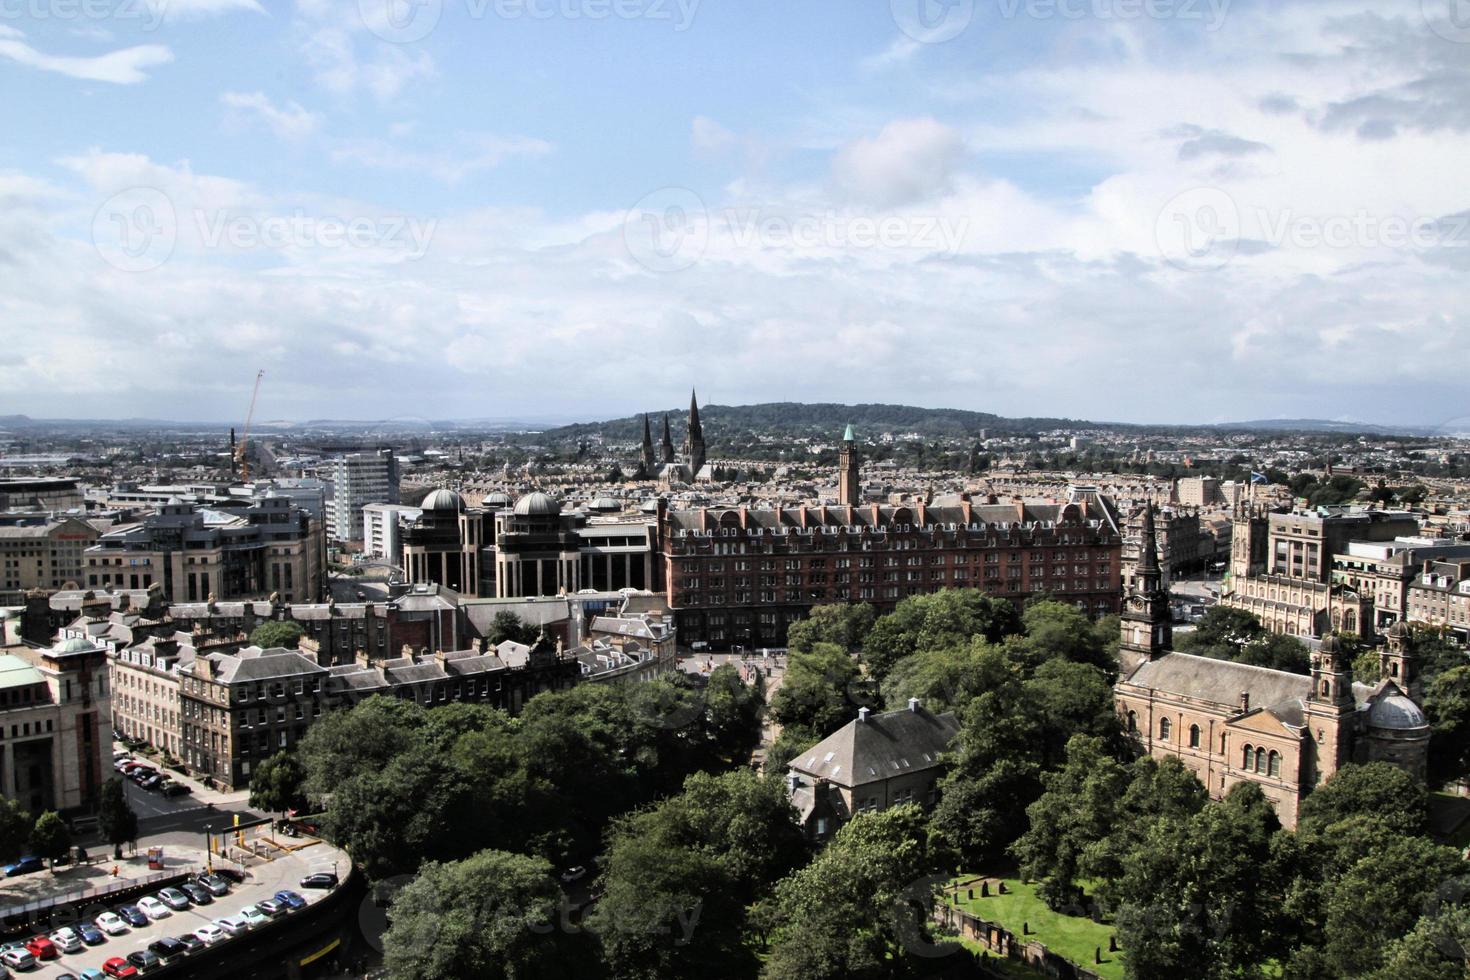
(242, 451)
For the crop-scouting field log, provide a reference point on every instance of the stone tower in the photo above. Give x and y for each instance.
(668, 442)
(694, 440)
(1147, 627)
(1396, 661)
(849, 487)
(1329, 712)
(646, 460)
(1248, 541)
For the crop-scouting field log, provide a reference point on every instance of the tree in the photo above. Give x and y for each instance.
(1077, 810)
(945, 679)
(50, 838)
(1060, 631)
(697, 860)
(1377, 788)
(116, 817)
(343, 744)
(842, 624)
(1447, 702)
(492, 915)
(1199, 894)
(821, 690)
(15, 829)
(1222, 632)
(851, 912)
(508, 626)
(1436, 949)
(277, 633)
(1066, 698)
(947, 618)
(276, 783)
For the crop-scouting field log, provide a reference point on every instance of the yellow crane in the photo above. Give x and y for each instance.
(242, 451)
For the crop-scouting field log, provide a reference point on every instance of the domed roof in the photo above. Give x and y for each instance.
(75, 645)
(1395, 712)
(496, 499)
(1331, 644)
(605, 503)
(442, 499)
(1399, 629)
(537, 504)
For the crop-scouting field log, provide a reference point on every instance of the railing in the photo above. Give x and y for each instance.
(88, 894)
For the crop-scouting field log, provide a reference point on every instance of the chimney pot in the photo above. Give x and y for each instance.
(914, 704)
(1245, 700)
(862, 715)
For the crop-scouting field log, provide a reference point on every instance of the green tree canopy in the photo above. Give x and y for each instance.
(277, 633)
(116, 816)
(50, 837)
(275, 784)
(508, 626)
(947, 618)
(491, 915)
(842, 624)
(1377, 788)
(821, 691)
(15, 829)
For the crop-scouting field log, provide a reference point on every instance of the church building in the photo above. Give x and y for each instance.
(1232, 723)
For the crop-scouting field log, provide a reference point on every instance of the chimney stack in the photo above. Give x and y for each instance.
(1245, 701)
(862, 715)
(914, 705)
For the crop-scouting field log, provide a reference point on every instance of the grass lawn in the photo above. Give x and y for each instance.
(1074, 937)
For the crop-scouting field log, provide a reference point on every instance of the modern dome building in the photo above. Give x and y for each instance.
(443, 544)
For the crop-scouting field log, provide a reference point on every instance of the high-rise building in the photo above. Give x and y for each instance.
(359, 479)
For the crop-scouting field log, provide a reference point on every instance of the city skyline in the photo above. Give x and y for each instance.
(1134, 214)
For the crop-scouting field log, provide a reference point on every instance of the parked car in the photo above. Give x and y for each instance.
(167, 948)
(232, 925)
(153, 782)
(177, 789)
(272, 907)
(231, 875)
(197, 893)
(153, 908)
(91, 973)
(290, 899)
(144, 960)
(112, 923)
(174, 899)
(253, 916)
(217, 886)
(42, 948)
(67, 940)
(24, 866)
(119, 967)
(209, 934)
(132, 915)
(320, 879)
(18, 958)
(192, 943)
(90, 934)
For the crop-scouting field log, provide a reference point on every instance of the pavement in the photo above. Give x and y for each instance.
(264, 879)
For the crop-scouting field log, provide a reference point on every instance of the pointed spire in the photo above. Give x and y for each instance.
(848, 436)
(695, 432)
(647, 431)
(1148, 547)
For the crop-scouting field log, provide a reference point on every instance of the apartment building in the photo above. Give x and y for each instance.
(44, 554)
(1440, 596)
(359, 479)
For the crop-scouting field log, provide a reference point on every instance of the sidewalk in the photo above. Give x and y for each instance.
(199, 792)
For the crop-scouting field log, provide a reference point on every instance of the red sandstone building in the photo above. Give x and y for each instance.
(741, 575)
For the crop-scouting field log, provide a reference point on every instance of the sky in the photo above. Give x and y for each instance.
(1123, 210)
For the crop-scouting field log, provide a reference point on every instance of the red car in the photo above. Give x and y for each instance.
(42, 948)
(119, 967)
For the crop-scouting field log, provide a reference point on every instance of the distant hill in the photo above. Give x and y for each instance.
(1328, 425)
(823, 419)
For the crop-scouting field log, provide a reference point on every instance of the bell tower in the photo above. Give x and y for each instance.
(1396, 661)
(1147, 627)
(849, 488)
(1329, 710)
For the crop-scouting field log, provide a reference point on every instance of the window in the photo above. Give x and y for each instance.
(1260, 760)
(1132, 722)
(1273, 764)
(1246, 757)
(1165, 727)
(1194, 736)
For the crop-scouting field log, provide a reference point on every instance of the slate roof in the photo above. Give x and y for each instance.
(1220, 681)
(254, 664)
(883, 746)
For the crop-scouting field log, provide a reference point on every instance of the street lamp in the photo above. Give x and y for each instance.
(209, 847)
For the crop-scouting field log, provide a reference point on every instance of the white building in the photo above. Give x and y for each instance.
(382, 530)
(357, 480)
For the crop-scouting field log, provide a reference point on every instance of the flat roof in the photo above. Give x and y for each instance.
(15, 672)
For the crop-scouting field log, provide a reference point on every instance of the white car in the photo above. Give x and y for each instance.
(67, 940)
(18, 958)
(209, 933)
(232, 925)
(111, 923)
(253, 916)
(153, 908)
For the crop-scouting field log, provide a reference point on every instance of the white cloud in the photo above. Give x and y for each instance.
(909, 160)
(127, 66)
(289, 121)
(900, 51)
(709, 136)
(476, 153)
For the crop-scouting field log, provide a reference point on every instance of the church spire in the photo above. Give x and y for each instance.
(694, 440)
(645, 457)
(695, 432)
(1147, 624)
(668, 442)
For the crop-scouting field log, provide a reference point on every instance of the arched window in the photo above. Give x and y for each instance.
(1326, 689)
(1165, 727)
(1260, 760)
(1273, 764)
(1132, 722)
(1194, 736)
(1246, 757)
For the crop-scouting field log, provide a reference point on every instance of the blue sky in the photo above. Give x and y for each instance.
(1173, 210)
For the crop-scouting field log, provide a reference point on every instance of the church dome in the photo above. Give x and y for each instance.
(1399, 631)
(75, 645)
(537, 504)
(1331, 644)
(442, 499)
(1395, 712)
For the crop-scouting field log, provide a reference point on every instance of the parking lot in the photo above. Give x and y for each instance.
(264, 880)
